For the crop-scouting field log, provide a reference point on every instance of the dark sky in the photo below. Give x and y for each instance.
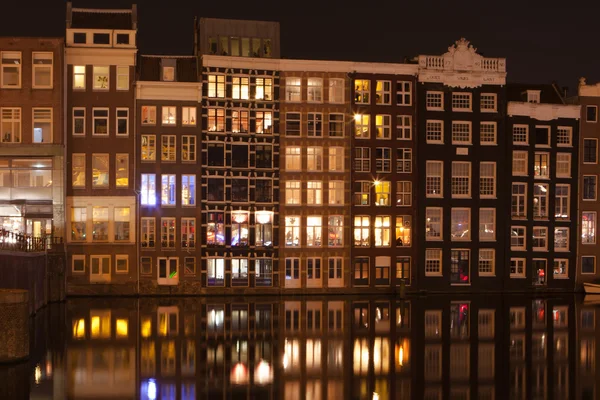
(542, 42)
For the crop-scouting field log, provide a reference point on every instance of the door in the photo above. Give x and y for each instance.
(292, 272)
(100, 271)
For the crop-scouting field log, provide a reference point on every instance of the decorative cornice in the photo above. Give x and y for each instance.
(462, 67)
(100, 56)
(543, 112)
(175, 91)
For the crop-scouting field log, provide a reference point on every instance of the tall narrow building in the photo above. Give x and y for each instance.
(32, 192)
(384, 175)
(168, 96)
(588, 251)
(542, 143)
(315, 176)
(101, 198)
(461, 99)
(239, 155)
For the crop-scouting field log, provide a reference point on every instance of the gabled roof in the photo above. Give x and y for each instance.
(549, 93)
(186, 69)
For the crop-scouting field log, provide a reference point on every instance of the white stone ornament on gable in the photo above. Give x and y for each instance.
(462, 67)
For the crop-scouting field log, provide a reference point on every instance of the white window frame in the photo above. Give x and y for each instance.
(336, 159)
(524, 237)
(432, 99)
(337, 88)
(457, 210)
(401, 92)
(189, 116)
(15, 120)
(96, 74)
(522, 199)
(563, 159)
(362, 121)
(382, 92)
(314, 125)
(403, 160)
(363, 160)
(151, 148)
(215, 85)
(560, 142)
(457, 134)
(74, 117)
(293, 193)
(168, 143)
(522, 160)
(94, 117)
(439, 177)
(433, 212)
(121, 257)
(189, 141)
(482, 183)
(403, 127)
(491, 213)
(336, 193)
(430, 132)
(484, 256)
(314, 193)
(593, 226)
(493, 96)
(167, 280)
(118, 118)
(542, 197)
(518, 131)
(549, 134)
(520, 264)
(568, 234)
(562, 200)
(122, 73)
(337, 271)
(151, 110)
(564, 275)
(240, 85)
(493, 132)
(316, 158)
(168, 110)
(433, 257)
(45, 55)
(542, 155)
(383, 126)
(361, 93)
(314, 90)
(293, 158)
(79, 73)
(535, 237)
(293, 89)
(191, 192)
(19, 66)
(50, 121)
(456, 179)
(459, 97)
(383, 164)
(100, 277)
(404, 191)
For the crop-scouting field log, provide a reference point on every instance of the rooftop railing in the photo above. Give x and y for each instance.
(14, 241)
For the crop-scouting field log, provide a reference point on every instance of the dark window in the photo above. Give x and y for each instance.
(79, 37)
(263, 156)
(264, 191)
(336, 125)
(361, 271)
(292, 268)
(590, 150)
(216, 155)
(262, 317)
(216, 189)
(239, 190)
(101, 38)
(212, 45)
(459, 266)
(292, 124)
(146, 263)
(589, 187)
(403, 269)
(588, 265)
(591, 114)
(542, 135)
(122, 38)
(239, 156)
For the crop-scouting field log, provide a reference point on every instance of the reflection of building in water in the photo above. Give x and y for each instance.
(101, 349)
(327, 348)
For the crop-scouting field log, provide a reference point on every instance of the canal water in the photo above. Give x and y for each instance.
(317, 347)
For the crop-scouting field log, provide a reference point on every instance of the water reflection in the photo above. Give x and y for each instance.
(492, 347)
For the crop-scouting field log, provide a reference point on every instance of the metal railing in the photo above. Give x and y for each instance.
(20, 242)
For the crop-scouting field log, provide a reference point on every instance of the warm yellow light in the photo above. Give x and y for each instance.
(357, 117)
(376, 183)
(162, 325)
(79, 329)
(95, 326)
(122, 328)
(146, 327)
(401, 356)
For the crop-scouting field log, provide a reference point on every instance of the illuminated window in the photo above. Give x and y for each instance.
(188, 190)
(362, 126)
(239, 121)
(315, 90)
(148, 189)
(100, 324)
(561, 202)
(382, 231)
(336, 192)
(264, 89)
(336, 90)
(362, 193)
(168, 190)
(240, 88)
(383, 193)
(216, 86)
(460, 224)
(11, 125)
(314, 230)
(362, 91)
(100, 224)
(403, 230)
(79, 77)
(101, 78)
(42, 69)
(78, 170)
(216, 119)
(314, 193)
(264, 121)
(169, 115)
(335, 235)
(541, 166)
(487, 224)
(519, 163)
(167, 233)
(293, 89)
(433, 223)
(540, 200)
(188, 116)
(42, 125)
(263, 228)
(168, 148)
(215, 272)
(361, 271)
(362, 231)
(122, 77)
(122, 170)
(293, 160)
(293, 193)
(121, 329)
(168, 321)
(121, 225)
(292, 231)
(588, 227)
(336, 159)
(79, 328)
(215, 229)
(188, 233)
(314, 158)
(240, 229)
(561, 239)
(563, 165)
(148, 232)
(148, 115)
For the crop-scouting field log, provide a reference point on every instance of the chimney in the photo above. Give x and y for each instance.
(69, 14)
(134, 16)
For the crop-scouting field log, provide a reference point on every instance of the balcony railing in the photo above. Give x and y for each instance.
(20, 242)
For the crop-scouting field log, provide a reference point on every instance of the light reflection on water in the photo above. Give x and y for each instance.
(436, 347)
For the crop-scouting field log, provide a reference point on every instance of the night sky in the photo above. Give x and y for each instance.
(542, 43)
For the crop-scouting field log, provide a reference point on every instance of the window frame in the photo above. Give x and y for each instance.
(587, 108)
(118, 118)
(431, 100)
(433, 255)
(94, 118)
(78, 257)
(382, 92)
(595, 152)
(19, 67)
(74, 118)
(35, 67)
(313, 90)
(98, 74)
(440, 177)
(120, 74)
(487, 109)
(456, 99)
(483, 164)
(121, 257)
(455, 179)
(49, 121)
(481, 133)
(332, 88)
(429, 133)
(583, 194)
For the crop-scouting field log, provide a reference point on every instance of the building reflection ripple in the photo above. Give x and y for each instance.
(435, 347)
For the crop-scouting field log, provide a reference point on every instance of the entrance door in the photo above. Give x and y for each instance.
(100, 271)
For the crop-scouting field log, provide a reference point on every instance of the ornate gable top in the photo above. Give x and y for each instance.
(462, 59)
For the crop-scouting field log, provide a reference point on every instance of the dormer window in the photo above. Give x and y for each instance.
(168, 74)
(122, 38)
(79, 37)
(533, 96)
(101, 38)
